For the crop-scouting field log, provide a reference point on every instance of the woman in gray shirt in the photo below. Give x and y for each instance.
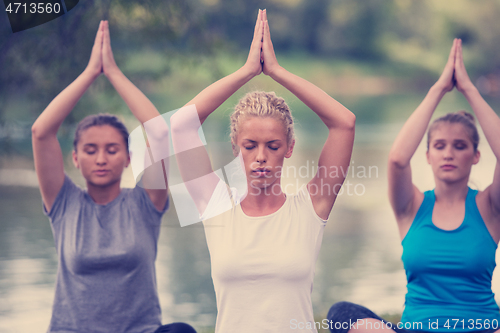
(105, 236)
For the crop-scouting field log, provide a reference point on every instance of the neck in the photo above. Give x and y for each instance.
(265, 200)
(103, 194)
(451, 192)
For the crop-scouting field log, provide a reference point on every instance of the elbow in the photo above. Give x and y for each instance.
(175, 123)
(36, 132)
(397, 160)
(177, 127)
(157, 131)
(351, 121)
(185, 119)
(347, 123)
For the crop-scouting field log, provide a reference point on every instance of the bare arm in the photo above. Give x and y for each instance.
(403, 195)
(192, 158)
(336, 152)
(46, 149)
(142, 108)
(488, 119)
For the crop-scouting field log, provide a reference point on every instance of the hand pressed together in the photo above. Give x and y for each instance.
(101, 57)
(261, 58)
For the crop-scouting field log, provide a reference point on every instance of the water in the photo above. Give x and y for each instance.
(359, 259)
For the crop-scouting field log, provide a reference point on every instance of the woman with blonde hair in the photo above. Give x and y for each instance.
(263, 246)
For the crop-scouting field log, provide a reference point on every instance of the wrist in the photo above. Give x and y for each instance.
(90, 74)
(113, 73)
(438, 89)
(276, 72)
(246, 73)
(468, 89)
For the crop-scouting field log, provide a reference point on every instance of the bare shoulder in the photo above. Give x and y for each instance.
(490, 216)
(405, 219)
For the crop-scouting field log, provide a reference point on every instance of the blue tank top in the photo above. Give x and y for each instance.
(449, 272)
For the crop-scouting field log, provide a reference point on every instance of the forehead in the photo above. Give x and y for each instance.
(261, 129)
(450, 132)
(101, 135)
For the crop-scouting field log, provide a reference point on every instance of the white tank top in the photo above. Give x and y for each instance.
(263, 267)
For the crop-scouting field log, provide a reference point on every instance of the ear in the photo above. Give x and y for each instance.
(128, 160)
(75, 160)
(477, 156)
(290, 150)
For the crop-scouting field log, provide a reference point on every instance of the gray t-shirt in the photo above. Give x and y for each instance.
(106, 279)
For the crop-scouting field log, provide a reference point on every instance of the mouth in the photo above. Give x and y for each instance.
(261, 173)
(448, 167)
(101, 172)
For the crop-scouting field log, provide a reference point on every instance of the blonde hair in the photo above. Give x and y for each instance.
(461, 117)
(261, 104)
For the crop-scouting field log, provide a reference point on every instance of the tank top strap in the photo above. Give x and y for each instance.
(425, 210)
(473, 218)
(470, 204)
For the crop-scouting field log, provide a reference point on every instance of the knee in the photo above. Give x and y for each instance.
(176, 328)
(341, 311)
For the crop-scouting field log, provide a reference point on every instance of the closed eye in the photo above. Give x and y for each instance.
(439, 146)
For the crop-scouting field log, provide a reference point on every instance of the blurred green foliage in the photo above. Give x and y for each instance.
(159, 40)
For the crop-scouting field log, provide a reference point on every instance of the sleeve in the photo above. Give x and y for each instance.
(67, 196)
(304, 198)
(140, 196)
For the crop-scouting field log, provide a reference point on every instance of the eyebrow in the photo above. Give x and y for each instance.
(454, 141)
(272, 141)
(95, 145)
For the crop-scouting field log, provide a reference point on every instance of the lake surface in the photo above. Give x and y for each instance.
(359, 259)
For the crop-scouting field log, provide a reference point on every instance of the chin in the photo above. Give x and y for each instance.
(452, 180)
(102, 182)
(262, 184)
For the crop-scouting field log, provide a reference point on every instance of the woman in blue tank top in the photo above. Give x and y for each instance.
(450, 234)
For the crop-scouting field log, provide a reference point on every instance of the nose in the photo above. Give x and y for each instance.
(101, 158)
(261, 155)
(448, 152)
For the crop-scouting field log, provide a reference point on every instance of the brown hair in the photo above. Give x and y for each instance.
(460, 117)
(100, 119)
(261, 104)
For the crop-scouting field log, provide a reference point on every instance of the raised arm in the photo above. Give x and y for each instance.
(46, 149)
(336, 152)
(192, 158)
(142, 108)
(403, 195)
(489, 121)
